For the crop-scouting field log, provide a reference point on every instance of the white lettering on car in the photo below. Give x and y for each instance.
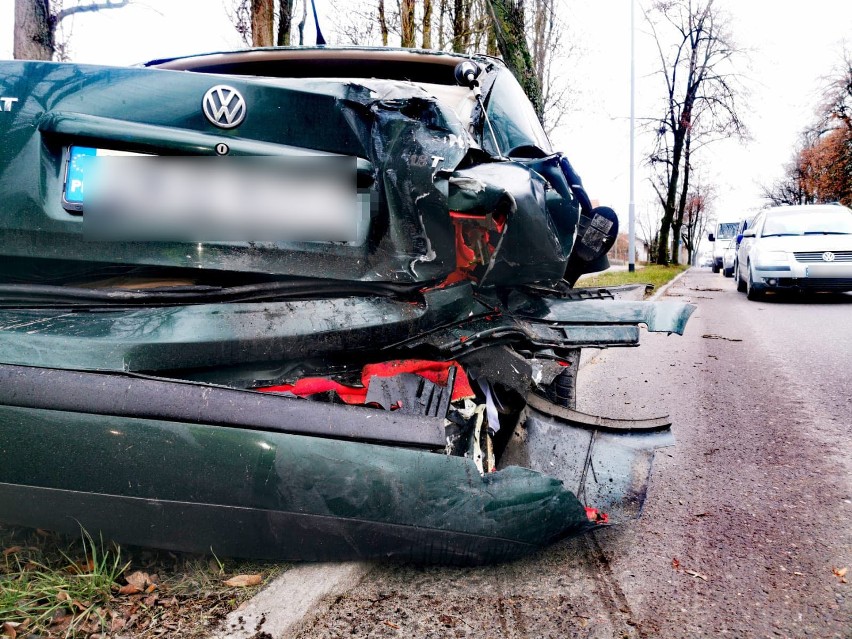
(6, 103)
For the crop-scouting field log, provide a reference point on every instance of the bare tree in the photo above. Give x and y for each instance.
(427, 24)
(263, 23)
(468, 26)
(509, 25)
(285, 22)
(702, 95)
(648, 224)
(406, 23)
(36, 22)
(697, 210)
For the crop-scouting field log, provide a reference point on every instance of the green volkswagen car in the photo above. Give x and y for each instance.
(304, 304)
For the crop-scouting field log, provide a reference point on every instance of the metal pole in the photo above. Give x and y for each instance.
(631, 236)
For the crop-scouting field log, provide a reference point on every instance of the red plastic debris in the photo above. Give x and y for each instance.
(435, 372)
(595, 516)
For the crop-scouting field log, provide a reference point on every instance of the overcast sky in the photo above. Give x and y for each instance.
(791, 48)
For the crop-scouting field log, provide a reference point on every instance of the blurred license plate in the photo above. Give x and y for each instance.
(134, 197)
(80, 163)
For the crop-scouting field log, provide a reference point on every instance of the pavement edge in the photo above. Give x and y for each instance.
(290, 600)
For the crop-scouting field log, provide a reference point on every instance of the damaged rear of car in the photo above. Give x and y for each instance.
(196, 352)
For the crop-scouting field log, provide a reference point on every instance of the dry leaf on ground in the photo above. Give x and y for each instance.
(141, 580)
(242, 581)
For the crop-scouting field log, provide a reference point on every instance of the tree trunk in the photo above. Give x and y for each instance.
(427, 24)
(508, 20)
(262, 22)
(34, 26)
(406, 24)
(461, 25)
(285, 22)
(301, 26)
(677, 223)
(442, 12)
(383, 23)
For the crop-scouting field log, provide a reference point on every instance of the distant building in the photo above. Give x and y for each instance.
(619, 254)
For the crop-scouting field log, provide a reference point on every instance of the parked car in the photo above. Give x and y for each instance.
(720, 237)
(304, 304)
(743, 225)
(797, 248)
(729, 257)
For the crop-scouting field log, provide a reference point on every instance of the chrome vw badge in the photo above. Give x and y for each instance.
(828, 256)
(224, 106)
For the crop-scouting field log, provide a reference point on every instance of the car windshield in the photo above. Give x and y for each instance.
(513, 117)
(819, 222)
(727, 230)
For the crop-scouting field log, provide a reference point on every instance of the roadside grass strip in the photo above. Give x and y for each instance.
(57, 586)
(651, 274)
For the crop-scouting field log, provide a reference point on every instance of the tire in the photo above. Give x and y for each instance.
(752, 292)
(728, 272)
(715, 268)
(741, 285)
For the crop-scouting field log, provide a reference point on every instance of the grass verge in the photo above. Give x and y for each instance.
(651, 274)
(56, 586)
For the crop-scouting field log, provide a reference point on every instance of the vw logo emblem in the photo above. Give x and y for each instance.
(828, 256)
(224, 106)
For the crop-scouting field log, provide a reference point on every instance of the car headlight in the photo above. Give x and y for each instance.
(772, 259)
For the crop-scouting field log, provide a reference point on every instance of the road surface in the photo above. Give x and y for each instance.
(746, 518)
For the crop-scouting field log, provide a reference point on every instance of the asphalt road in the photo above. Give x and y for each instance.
(745, 520)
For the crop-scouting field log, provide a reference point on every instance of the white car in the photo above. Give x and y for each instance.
(729, 257)
(797, 248)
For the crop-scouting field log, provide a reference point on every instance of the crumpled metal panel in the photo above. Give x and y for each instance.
(606, 463)
(659, 317)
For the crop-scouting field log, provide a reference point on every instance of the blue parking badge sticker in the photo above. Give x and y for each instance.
(80, 162)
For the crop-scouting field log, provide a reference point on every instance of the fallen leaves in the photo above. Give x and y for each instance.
(391, 624)
(840, 573)
(11, 628)
(243, 581)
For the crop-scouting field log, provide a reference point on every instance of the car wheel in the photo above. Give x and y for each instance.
(728, 272)
(715, 268)
(752, 292)
(741, 285)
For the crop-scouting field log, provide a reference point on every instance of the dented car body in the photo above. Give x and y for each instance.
(401, 386)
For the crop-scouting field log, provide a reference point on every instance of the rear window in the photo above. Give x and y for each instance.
(513, 117)
(727, 230)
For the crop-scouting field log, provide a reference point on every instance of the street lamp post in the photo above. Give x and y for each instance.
(631, 235)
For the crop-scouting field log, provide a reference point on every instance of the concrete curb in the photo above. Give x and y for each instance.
(669, 284)
(289, 600)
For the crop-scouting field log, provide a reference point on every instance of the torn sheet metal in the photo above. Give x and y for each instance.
(605, 462)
